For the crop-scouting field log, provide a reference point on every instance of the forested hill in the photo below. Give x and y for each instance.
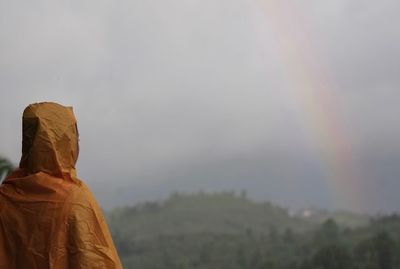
(229, 231)
(181, 214)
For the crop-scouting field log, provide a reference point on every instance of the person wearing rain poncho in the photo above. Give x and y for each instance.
(49, 219)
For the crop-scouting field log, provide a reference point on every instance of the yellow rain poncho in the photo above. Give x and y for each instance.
(49, 219)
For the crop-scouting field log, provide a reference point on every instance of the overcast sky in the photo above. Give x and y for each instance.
(215, 95)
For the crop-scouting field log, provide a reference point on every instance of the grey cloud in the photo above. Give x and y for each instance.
(190, 94)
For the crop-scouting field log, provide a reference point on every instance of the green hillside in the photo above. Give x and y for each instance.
(221, 213)
(229, 231)
(188, 228)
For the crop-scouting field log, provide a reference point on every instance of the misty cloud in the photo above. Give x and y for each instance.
(204, 95)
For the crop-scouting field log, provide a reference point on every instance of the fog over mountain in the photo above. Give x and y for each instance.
(282, 98)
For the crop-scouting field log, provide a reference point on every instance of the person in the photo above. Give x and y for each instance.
(49, 219)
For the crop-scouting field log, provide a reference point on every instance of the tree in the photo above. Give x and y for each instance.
(241, 258)
(327, 234)
(288, 236)
(385, 247)
(5, 168)
(306, 264)
(273, 234)
(332, 257)
(365, 256)
(268, 265)
(377, 252)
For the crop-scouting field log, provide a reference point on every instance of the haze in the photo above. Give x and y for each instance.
(296, 102)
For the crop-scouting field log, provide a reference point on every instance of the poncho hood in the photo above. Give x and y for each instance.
(49, 140)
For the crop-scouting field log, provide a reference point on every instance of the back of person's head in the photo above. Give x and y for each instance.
(50, 140)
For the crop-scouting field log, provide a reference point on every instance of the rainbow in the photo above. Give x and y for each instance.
(314, 89)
